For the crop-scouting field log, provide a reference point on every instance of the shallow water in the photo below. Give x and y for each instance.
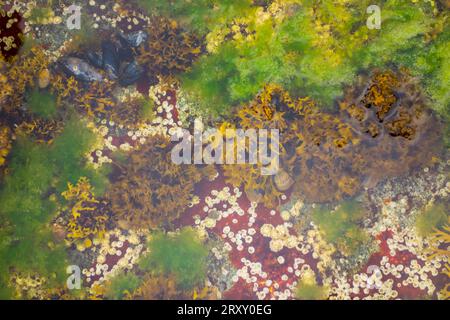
(93, 205)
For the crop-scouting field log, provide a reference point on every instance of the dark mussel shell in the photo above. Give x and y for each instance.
(130, 74)
(95, 59)
(111, 61)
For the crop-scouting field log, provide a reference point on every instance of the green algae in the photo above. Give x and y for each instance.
(295, 55)
(431, 219)
(42, 104)
(181, 255)
(38, 171)
(310, 291)
(147, 112)
(200, 15)
(68, 152)
(342, 227)
(27, 244)
(122, 284)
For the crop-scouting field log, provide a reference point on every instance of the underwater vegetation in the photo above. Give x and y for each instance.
(308, 48)
(200, 16)
(5, 144)
(152, 187)
(43, 104)
(122, 286)
(40, 130)
(159, 288)
(173, 267)
(182, 255)
(87, 179)
(431, 219)
(440, 240)
(22, 73)
(88, 218)
(29, 201)
(327, 156)
(308, 289)
(168, 49)
(342, 227)
(133, 110)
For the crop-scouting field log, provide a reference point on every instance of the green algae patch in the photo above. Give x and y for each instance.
(199, 15)
(181, 255)
(29, 204)
(27, 244)
(122, 285)
(42, 104)
(431, 219)
(311, 61)
(342, 227)
(68, 152)
(307, 290)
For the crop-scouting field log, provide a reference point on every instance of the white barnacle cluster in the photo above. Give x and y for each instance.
(115, 16)
(390, 277)
(98, 147)
(294, 211)
(223, 204)
(219, 205)
(162, 124)
(113, 244)
(321, 250)
(252, 273)
(392, 214)
(280, 236)
(266, 287)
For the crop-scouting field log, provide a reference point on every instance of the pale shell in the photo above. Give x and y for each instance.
(283, 180)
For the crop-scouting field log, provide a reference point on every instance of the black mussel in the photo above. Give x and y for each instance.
(130, 74)
(80, 69)
(134, 39)
(111, 61)
(125, 52)
(95, 59)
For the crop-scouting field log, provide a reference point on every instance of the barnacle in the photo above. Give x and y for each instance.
(35, 286)
(87, 218)
(28, 286)
(10, 33)
(169, 49)
(5, 144)
(152, 190)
